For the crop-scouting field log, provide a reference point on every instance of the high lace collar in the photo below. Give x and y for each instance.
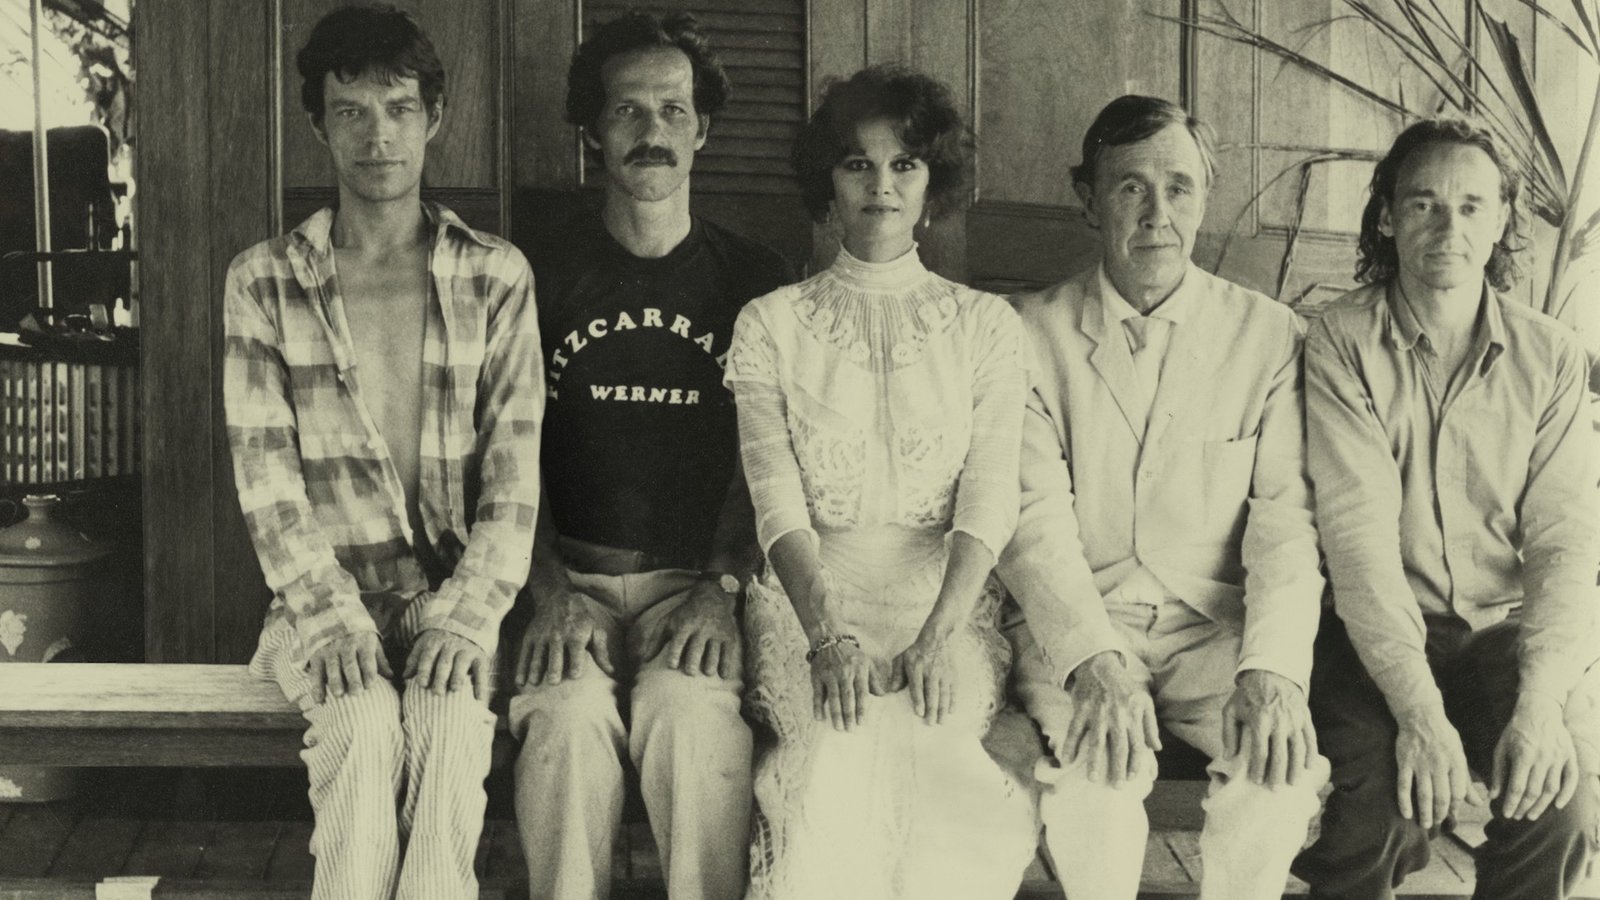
(898, 274)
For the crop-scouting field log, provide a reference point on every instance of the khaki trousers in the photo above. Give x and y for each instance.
(1097, 833)
(683, 734)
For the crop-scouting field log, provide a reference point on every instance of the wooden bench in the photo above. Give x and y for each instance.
(152, 715)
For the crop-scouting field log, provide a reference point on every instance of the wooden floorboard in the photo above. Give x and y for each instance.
(504, 857)
(168, 849)
(48, 854)
(1185, 848)
(97, 848)
(291, 858)
(238, 851)
(33, 837)
(1161, 863)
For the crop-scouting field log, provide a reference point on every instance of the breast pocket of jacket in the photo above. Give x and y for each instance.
(1225, 469)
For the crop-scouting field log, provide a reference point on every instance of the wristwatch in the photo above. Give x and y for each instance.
(728, 584)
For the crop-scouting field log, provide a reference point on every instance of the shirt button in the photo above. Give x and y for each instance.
(372, 444)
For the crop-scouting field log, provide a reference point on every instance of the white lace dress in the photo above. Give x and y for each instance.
(880, 409)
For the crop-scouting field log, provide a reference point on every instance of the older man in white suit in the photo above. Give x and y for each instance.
(1166, 560)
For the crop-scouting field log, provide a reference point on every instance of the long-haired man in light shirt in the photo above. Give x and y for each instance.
(1453, 455)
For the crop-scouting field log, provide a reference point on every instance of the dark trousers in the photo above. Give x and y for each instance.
(1366, 849)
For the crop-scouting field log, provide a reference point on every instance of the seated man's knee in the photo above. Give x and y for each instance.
(1578, 823)
(580, 713)
(672, 689)
(668, 696)
(443, 719)
(1074, 785)
(1363, 809)
(364, 725)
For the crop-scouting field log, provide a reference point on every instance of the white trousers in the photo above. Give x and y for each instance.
(365, 751)
(1097, 833)
(684, 736)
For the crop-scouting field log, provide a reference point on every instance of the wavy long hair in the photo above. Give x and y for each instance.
(1377, 260)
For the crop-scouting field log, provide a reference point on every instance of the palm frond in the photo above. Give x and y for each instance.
(1588, 22)
(1232, 31)
(1553, 19)
(1516, 71)
(1292, 244)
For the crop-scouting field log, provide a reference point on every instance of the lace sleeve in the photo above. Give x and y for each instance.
(770, 467)
(988, 495)
(752, 356)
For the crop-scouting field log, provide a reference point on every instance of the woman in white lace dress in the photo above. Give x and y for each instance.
(880, 414)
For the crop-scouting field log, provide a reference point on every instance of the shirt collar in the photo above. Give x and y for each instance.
(1489, 329)
(316, 232)
(1174, 309)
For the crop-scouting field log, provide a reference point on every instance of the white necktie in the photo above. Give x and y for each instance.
(1142, 339)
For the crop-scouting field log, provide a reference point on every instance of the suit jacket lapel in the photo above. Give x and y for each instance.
(1112, 359)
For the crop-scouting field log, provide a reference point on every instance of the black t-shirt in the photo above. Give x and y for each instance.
(640, 436)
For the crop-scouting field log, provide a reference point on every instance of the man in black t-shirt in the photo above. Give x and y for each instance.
(646, 535)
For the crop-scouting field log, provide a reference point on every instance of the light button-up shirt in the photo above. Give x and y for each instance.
(1474, 500)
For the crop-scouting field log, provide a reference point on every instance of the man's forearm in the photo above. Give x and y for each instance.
(547, 573)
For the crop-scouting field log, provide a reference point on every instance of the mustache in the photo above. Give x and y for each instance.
(650, 153)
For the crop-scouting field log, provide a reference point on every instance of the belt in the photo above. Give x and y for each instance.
(598, 559)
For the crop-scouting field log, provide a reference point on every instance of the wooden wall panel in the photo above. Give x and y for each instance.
(545, 148)
(467, 37)
(1042, 76)
(938, 46)
(241, 188)
(174, 276)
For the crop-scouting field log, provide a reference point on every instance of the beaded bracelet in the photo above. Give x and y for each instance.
(831, 640)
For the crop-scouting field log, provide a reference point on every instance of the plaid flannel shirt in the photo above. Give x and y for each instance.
(324, 507)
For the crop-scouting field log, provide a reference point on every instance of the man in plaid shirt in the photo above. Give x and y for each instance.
(383, 391)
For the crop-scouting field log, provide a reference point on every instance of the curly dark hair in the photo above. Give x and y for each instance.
(586, 87)
(925, 119)
(368, 38)
(1130, 119)
(1376, 257)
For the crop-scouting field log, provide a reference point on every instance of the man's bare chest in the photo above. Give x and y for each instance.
(386, 309)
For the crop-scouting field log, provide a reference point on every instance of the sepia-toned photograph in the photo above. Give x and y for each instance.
(799, 449)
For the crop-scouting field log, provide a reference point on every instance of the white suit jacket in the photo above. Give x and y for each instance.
(1213, 498)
